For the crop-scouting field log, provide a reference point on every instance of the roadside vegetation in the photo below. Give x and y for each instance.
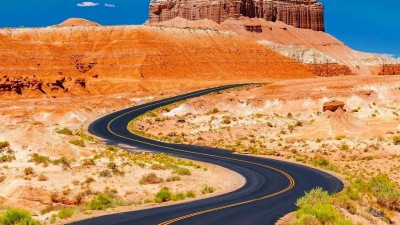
(17, 217)
(379, 197)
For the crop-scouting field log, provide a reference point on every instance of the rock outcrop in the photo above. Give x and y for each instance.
(329, 69)
(390, 69)
(333, 106)
(307, 14)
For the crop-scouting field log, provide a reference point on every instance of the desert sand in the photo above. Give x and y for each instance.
(285, 120)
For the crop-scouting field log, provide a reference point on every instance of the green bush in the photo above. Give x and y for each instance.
(179, 197)
(17, 217)
(316, 208)
(190, 194)
(101, 202)
(80, 143)
(151, 178)
(182, 171)
(207, 190)
(164, 195)
(63, 161)
(65, 131)
(65, 213)
(38, 159)
(314, 197)
(83, 135)
(386, 191)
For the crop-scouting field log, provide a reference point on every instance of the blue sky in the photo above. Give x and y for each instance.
(365, 25)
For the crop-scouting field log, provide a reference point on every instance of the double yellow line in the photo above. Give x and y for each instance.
(290, 178)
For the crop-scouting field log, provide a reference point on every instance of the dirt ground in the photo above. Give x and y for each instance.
(52, 162)
(285, 120)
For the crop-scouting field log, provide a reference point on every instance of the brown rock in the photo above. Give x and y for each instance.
(333, 106)
(329, 70)
(33, 194)
(308, 14)
(390, 69)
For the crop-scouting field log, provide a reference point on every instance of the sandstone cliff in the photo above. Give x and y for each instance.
(87, 60)
(307, 14)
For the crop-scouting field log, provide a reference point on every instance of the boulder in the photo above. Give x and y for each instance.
(333, 106)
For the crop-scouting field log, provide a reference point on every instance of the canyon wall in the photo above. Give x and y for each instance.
(307, 14)
(68, 61)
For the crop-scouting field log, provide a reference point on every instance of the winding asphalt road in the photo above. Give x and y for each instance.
(271, 190)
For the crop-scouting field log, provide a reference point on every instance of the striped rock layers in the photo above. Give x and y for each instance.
(307, 14)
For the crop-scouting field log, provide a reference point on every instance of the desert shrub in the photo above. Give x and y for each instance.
(79, 197)
(344, 147)
(340, 137)
(88, 162)
(182, 171)
(307, 219)
(105, 173)
(79, 143)
(65, 213)
(39, 159)
(396, 140)
(151, 178)
(157, 167)
(314, 197)
(226, 120)
(173, 178)
(190, 194)
(4, 144)
(112, 165)
(101, 202)
(28, 171)
(317, 204)
(386, 191)
(319, 161)
(215, 110)
(64, 162)
(112, 148)
(7, 158)
(207, 189)
(178, 197)
(83, 135)
(324, 163)
(89, 180)
(42, 177)
(64, 131)
(17, 217)
(163, 195)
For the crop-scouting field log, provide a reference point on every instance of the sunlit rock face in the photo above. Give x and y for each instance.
(307, 14)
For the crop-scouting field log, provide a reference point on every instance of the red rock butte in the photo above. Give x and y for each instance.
(306, 14)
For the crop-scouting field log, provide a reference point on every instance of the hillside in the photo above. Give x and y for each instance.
(84, 60)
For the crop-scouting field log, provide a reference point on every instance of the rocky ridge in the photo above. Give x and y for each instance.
(307, 14)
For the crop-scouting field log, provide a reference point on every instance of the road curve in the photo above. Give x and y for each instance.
(271, 190)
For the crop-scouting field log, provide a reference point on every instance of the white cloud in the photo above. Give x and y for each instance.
(109, 5)
(87, 4)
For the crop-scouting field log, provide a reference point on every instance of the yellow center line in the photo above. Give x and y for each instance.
(290, 178)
